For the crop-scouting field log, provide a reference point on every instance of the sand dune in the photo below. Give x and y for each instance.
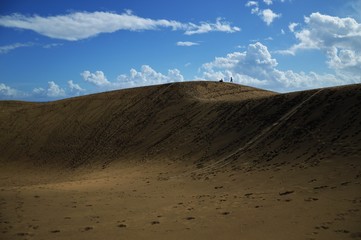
(188, 160)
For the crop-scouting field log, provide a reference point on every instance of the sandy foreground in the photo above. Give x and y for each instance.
(166, 200)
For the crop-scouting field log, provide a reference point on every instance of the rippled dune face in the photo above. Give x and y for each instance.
(200, 160)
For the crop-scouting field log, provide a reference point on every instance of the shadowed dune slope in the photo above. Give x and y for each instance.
(194, 122)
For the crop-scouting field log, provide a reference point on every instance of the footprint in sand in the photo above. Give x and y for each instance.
(24, 234)
(286, 193)
(311, 199)
(225, 213)
(345, 183)
(322, 227)
(88, 228)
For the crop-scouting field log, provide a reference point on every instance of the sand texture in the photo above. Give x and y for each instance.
(193, 160)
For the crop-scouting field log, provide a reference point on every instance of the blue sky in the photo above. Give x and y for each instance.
(57, 49)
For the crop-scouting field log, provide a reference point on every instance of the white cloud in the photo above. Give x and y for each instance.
(338, 38)
(7, 48)
(186, 44)
(326, 32)
(292, 26)
(256, 67)
(252, 4)
(255, 10)
(98, 78)
(53, 91)
(289, 80)
(81, 25)
(250, 67)
(75, 88)
(8, 92)
(205, 27)
(268, 2)
(39, 91)
(344, 58)
(51, 45)
(147, 76)
(268, 16)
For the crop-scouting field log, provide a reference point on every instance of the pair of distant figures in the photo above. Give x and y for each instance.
(223, 81)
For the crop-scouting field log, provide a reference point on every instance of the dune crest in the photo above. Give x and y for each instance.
(192, 121)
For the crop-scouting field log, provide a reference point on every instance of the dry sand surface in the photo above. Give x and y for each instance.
(196, 160)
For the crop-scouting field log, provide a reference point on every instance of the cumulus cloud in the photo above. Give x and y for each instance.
(257, 67)
(8, 92)
(53, 91)
(267, 15)
(186, 44)
(339, 38)
(144, 77)
(98, 78)
(325, 32)
(147, 76)
(75, 88)
(250, 67)
(80, 25)
(7, 48)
